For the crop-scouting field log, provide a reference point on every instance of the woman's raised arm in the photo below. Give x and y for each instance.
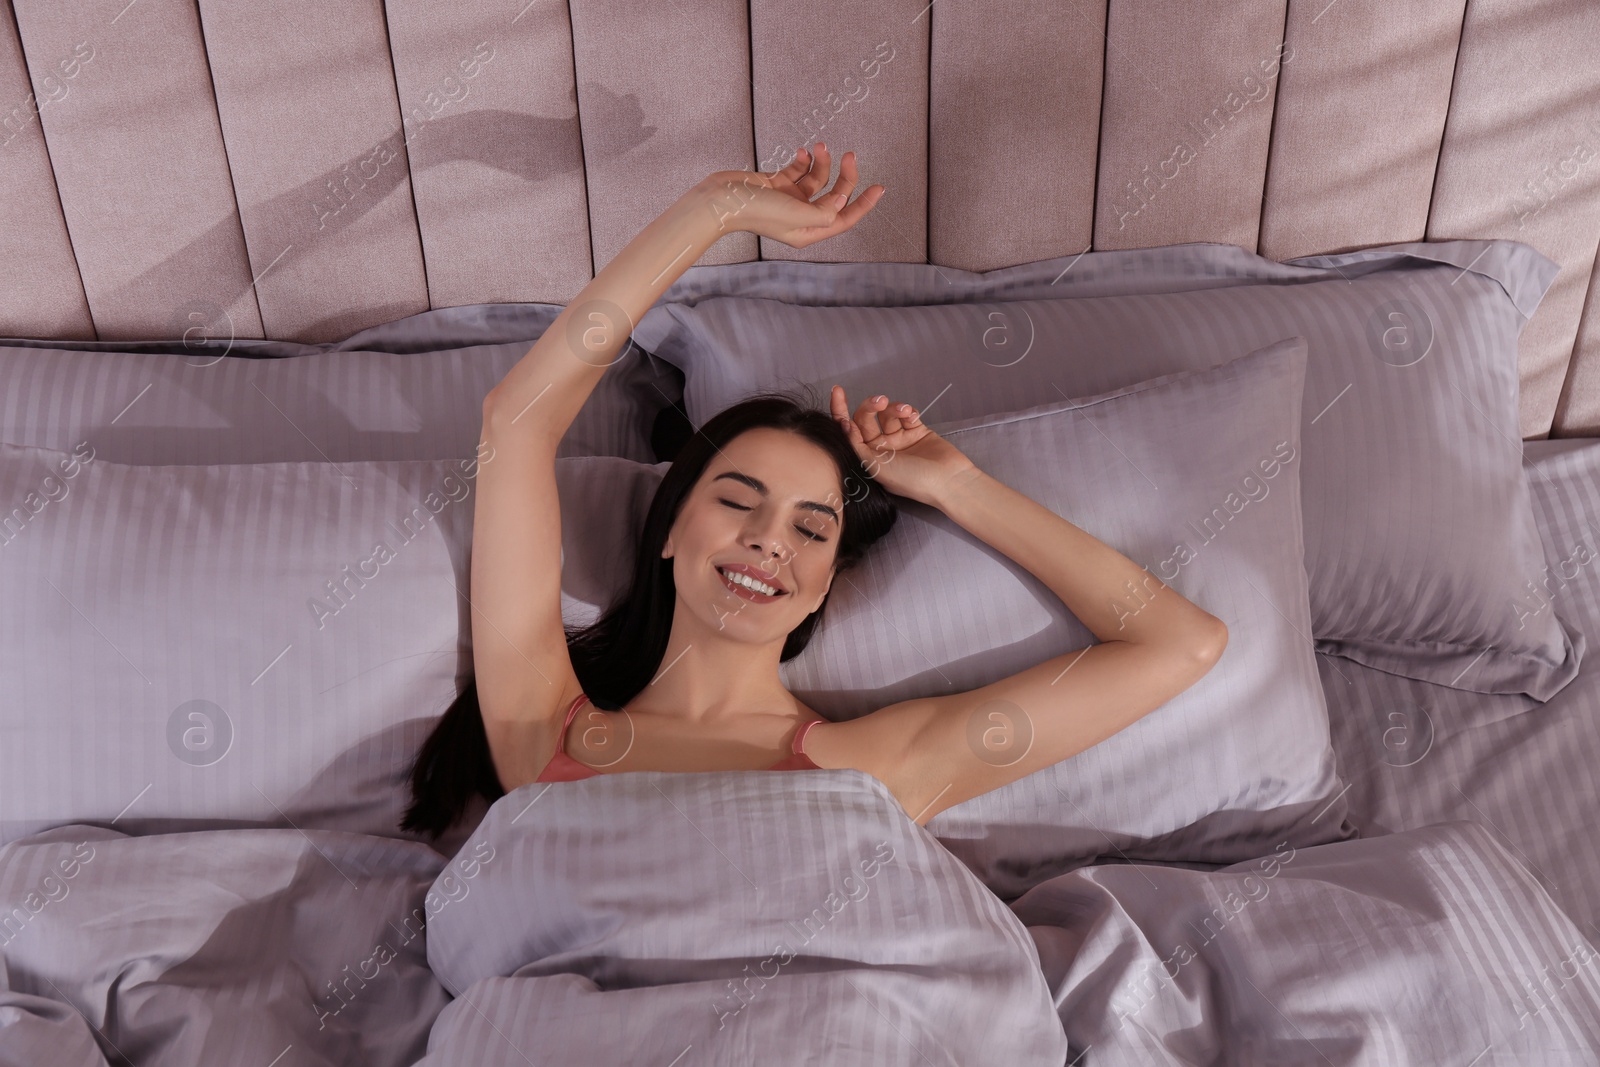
(543, 392)
(522, 670)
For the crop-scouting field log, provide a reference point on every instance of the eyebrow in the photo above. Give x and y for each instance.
(761, 487)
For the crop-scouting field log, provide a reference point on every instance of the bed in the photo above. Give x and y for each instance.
(1326, 364)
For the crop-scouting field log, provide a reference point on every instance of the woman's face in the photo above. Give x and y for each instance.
(772, 501)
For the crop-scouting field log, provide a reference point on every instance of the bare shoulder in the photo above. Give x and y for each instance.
(878, 743)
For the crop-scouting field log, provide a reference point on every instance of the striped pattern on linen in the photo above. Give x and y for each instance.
(1429, 946)
(1419, 527)
(728, 918)
(233, 645)
(1416, 754)
(223, 946)
(408, 389)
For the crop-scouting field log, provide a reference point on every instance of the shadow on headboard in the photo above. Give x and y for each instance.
(300, 172)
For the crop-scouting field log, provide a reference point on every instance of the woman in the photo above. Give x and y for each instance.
(760, 511)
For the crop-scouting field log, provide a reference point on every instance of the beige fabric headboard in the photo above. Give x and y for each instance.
(300, 171)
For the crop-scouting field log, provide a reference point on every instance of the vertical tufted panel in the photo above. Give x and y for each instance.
(40, 294)
(664, 95)
(141, 171)
(1526, 101)
(1184, 129)
(306, 95)
(1013, 130)
(491, 131)
(856, 78)
(1359, 118)
(300, 172)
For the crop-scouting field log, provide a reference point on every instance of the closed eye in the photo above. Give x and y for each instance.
(802, 529)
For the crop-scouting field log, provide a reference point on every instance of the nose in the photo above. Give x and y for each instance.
(777, 549)
(767, 539)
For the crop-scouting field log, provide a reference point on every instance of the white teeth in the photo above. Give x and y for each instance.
(748, 582)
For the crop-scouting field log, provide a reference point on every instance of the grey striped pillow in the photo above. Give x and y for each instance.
(409, 389)
(221, 646)
(1420, 537)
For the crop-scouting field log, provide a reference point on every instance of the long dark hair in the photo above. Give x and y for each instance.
(618, 654)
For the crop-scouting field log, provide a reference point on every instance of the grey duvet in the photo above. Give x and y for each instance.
(733, 918)
(795, 918)
(1433, 946)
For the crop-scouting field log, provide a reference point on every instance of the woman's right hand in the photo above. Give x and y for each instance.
(781, 205)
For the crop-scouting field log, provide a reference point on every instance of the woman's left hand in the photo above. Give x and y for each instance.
(898, 451)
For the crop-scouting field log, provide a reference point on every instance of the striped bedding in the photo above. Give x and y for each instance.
(408, 389)
(1415, 754)
(793, 919)
(732, 918)
(1460, 928)
(1425, 947)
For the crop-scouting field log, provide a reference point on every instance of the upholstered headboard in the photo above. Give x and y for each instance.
(300, 171)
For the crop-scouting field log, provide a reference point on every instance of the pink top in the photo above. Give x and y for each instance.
(563, 768)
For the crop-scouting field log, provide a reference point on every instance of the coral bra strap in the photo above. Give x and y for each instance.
(798, 747)
(561, 742)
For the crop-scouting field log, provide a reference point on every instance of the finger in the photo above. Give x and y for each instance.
(797, 167)
(887, 422)
(841, 415)
(867, 420)
(837, 404)
(889, 417)
(817, 177)
(846, 183)
(841, 408)
(848, 215)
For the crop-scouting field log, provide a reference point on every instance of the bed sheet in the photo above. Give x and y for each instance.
(300, 949)
(1415, 754)
(1420, 948)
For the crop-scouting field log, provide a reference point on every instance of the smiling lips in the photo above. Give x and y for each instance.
(745, 591)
